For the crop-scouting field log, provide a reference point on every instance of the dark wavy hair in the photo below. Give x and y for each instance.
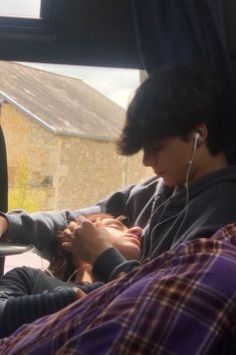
(171, 103)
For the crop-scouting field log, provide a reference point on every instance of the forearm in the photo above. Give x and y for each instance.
(39, 228)
(25, 309)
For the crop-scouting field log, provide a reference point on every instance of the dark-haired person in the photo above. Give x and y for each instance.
(179, 118)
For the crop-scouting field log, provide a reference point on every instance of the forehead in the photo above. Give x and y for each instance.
(165, 142)
(113, 222)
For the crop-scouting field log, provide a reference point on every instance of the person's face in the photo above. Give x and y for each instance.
(126, 240)
(169, 159)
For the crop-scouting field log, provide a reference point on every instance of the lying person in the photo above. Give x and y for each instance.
(68, 268)
(27, 293)
(182, 302)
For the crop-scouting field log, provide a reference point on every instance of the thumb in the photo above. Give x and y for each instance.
(67, 246)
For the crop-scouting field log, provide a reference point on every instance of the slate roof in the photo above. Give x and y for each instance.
(63, 105)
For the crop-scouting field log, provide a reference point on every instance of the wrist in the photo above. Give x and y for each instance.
(79, 293)
(106, 263)
(97, 252)
(3, 225)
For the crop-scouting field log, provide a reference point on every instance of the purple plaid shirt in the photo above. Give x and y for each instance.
(183, 302)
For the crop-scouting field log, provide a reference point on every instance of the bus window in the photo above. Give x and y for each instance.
(20, 8)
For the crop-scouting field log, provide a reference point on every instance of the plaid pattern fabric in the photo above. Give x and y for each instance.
(183, 302)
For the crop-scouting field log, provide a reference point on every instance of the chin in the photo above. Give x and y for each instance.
(170, 183)
(173, 182)
(135, 255)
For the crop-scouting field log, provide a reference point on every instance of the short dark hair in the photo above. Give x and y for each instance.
(171, 103)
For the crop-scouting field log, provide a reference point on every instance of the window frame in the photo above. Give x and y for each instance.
(23, 28)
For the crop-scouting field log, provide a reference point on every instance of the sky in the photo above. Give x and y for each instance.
(116, 84)
(28, 8)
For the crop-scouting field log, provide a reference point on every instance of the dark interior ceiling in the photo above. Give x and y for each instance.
(83, 32)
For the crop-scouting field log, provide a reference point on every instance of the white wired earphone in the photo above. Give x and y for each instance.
(196, 139)
(190, 163)
(189, 167)
(195, 144)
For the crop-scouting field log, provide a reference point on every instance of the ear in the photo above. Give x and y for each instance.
(202, 131)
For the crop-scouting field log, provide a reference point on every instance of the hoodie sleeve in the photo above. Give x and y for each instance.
(40, 228)
(111, 264)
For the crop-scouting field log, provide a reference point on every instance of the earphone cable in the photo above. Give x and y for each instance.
(186, 206)
(147, 229)
(184, 209)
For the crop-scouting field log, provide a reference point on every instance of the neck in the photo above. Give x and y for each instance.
(208, 164)
(83, 274)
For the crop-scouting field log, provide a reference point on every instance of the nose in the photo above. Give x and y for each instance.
(98, 224)
(136, 231)
(147, 158)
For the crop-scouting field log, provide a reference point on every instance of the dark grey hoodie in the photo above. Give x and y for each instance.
(178, 216)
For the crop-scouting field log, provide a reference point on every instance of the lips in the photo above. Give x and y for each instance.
(134, 239)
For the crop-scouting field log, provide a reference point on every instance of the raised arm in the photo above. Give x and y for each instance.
(40, 228)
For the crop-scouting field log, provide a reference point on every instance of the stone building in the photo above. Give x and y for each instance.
(60, 135)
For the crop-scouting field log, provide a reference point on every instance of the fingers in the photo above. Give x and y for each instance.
(80, 219)
(64, 236)
(80, 294)
(84, 227)
(80, 225)
(67, 246)
(74, 230)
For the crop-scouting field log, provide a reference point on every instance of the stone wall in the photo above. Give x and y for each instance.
(32, 159)
(92, 169)
(63, 171)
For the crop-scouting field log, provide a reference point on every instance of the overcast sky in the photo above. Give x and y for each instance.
(29, 8)
(117, 84)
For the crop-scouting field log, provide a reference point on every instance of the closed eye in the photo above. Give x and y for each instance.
(114, 224)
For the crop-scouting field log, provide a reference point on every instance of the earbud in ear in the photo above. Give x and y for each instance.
(195, 143)
(196, 139)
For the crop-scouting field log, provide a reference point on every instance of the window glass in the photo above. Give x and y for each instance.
(60, 124)
(20, 8)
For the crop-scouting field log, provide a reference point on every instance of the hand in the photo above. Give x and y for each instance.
(3, 225)
(64, 236)
(80, 294)
(86, 240)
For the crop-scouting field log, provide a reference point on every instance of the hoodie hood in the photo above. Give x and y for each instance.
(226, 175)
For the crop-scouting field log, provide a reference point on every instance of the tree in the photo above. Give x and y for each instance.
(21, 194)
